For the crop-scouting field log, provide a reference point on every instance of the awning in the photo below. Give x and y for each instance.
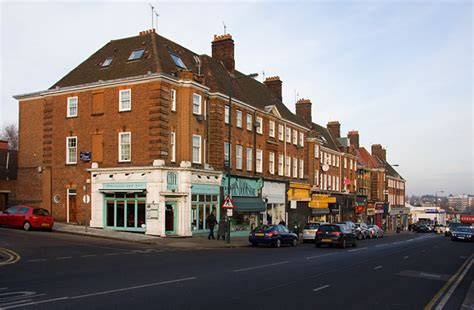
(249, 204)
(319, 211)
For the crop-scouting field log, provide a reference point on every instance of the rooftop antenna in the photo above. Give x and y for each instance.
(263, 75)
(152, 11)
(296, 95)
(157, 15)
(225, 28)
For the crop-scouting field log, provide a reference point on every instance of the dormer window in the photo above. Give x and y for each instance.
(177, 61)
(107, 62)
(136, 54)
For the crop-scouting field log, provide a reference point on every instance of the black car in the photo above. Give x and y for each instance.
(463, 233)
(352, 227)
(423, 229)
(338, 234)
(275, 235)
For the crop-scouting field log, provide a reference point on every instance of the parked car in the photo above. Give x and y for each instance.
(353, 228)
(309, 231)
(364, 230)
(451, 227)
(275, 235)
(27, 218)
(377, 232)
(463, 233)
(440, 229)
(338, 234)
(423, 228)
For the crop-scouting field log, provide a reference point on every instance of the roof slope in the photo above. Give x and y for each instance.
(366, 159)
(328, 141)
(389, 170)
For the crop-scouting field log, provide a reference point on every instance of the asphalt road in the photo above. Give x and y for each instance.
(59, 271)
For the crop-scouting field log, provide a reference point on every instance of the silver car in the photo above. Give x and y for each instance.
(309, 231)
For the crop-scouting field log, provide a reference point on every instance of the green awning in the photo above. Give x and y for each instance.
(249, 204)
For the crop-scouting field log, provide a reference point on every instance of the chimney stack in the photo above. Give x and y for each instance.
(353, 138)
(334, 129)
(223, 50)
(274, 83)
(303, 109)
(379, 151)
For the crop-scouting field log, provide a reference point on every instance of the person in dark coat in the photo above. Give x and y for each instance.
(282, 222)
(221, 230)
(211, 223)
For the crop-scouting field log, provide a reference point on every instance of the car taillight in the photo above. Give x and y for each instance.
(319, 233)
(337, 233)
(272, 233)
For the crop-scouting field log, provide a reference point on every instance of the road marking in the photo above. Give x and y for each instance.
(360, 249)
(405, 257)
(453, 287)
(109, 254)
(324, 255)
(463, 257)
(89, 255)
(13, 257)
(430, 275)
(133, 288)
(37, 302)
(11, 303)
(261, 266)
(380, 245)
(436, 297)
(36, 260)
(321, 288)
(64, 257)
(468, 302)
(378, 267)
(423, 275)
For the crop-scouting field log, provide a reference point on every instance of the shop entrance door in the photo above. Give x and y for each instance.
(71, 204)
(170, 216)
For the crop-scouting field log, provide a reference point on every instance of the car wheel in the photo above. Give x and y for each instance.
(453, 239)
(255, 244)
(26, 226)
(359, 237)
(277, 243)
(318, 245)
(354, 244)
(343, 244)
(295, 242)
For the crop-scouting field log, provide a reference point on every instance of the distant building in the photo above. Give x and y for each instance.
(460, 202)
(8, 172)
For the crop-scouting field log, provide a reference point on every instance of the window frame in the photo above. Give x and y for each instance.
(316, 150)
(238, 121)
(134, 51)
(227, 153)
(199, 105)
(120, 135)
(68, 158)
(271, 128)
(259, 161)
(238, 158)
(249, 123)
(200, 149)
(288, 135)
(227, 114)
(295, 137)
(301, 169)
(271, 162)
(68, 112)
(281, 134)
(281, 164)
(121, 108)
(301, 139)
(295, 167)
(259, 120)
(173, 99)
(173, 146)
(249, 158)
(288, 166)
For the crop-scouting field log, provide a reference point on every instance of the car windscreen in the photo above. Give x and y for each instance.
(42, 212)
(329, 228)
(311, 226)
(263, 227)
(463, 229)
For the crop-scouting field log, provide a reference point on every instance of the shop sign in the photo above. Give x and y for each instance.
(204, 189)
(242, 187)
(274, 192)
(360, 209)
(321, 201)
(172, 181)
(299, 192)
(334, 209)
(122, 185)
(431, 211)
(152, 211)
(467, 218)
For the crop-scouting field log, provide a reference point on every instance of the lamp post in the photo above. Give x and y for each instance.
(233, 78)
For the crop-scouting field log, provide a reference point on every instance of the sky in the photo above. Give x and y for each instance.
(399, 72)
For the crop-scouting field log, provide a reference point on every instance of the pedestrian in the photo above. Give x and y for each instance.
(211, 223)
(221, 229)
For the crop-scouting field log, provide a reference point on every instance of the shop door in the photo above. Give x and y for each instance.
(72, 205)
(170, 211)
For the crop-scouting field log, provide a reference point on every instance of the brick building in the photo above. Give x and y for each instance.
(8, 174)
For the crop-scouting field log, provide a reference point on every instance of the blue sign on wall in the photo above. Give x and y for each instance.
(85, 156)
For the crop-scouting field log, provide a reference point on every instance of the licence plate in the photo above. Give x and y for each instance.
(259, 235)
(461, 237)
(326, 240)
(45, 225)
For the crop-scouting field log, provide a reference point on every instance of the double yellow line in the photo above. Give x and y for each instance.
(448, 284)
(12, 257)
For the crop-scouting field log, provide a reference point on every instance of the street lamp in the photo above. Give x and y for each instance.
(436, 197)
(253, 75)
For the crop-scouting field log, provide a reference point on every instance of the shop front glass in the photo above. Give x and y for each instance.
(125, 211)
(245, 221)
(201, 207)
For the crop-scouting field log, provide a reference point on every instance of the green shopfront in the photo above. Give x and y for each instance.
(246, 195)
(205, 200)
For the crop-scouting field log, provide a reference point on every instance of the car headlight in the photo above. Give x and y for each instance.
(447, 228)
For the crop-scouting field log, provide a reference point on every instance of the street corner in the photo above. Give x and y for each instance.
(8, 257)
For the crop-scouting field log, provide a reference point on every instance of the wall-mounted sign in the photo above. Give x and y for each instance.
(85, 156)
(172, 181)
(123, 185)
(152, 211)
(57, 198)
(243, 187)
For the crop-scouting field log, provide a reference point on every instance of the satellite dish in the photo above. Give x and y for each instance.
(325, 167)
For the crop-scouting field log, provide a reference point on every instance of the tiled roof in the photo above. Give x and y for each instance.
(157, 59)
(389, 170)
(365, 159)
(328, 141)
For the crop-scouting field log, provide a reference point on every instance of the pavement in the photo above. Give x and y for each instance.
(400, 271)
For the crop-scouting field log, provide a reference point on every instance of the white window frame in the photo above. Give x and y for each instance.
(238, 119)
(280, 132)
(238, 157)
(333, 159)
(197, 104)
(288, 166)
(259, 161)
(295, 167)
(227, 152)
(337, 161)
(316, 177)
(173, 99)
(271, 129)
(301, 169)
(316, 151)
(249, 159)
(199, 161)
(271, 162)
(121, 158)
(259, 120)
(345, 163)
(173, 146)
(288, 135)
(337, 184)
(281, 164)
(295, 137)
(70, 106)
(249, 122)
(69, 159)
(329, 182)
(328, 159)
(350, 164)
(123, 108)
(301, 139)
(227, 114)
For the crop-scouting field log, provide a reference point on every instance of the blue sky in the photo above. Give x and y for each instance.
(400, 72)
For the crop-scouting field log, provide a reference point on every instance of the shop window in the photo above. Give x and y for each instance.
(202, 207)
(125, 211)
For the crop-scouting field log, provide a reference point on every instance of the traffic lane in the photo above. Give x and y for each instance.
(458, 296)
(374, 283)
(231, 286)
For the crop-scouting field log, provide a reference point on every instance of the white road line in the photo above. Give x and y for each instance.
(133, 288)
(405, 257)
(321, 288)
(3, 288)
(446, 297)
(64, 257)
(378, 267)
(430, 275)
(89, 255)
(360, 249)
(261, 266)
(36, 260)
(380, 245)
(324, 255)
(110, 254)
(11, 303)
(37, 302)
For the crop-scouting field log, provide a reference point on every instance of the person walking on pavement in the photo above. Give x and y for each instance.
(221, 229)
(211, 223)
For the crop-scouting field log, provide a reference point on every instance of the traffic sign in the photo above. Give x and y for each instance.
(228, 203)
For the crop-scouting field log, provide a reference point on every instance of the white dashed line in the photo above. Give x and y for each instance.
(405, 257)
(321, 288)
(360, 249)
(111, 254)
(89, 255)
(261, 266)
(317, 256)
(64, 257)
(378, 267)
(36, 260)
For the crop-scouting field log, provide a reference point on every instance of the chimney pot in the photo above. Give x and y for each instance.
(334, 128)
(223, 50)
(274, 83)
(303, 109)
(353, 138)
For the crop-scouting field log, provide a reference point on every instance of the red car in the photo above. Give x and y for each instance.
(27, 218)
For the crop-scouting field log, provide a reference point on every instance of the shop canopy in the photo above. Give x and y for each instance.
(249, 204)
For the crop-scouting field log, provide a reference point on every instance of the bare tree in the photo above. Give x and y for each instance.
(10, 134)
